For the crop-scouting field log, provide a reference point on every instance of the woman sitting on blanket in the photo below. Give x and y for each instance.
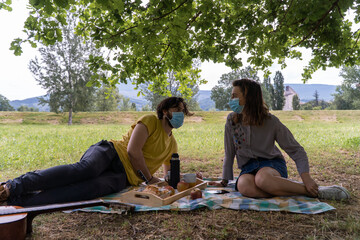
(107, 166)
(250, 135)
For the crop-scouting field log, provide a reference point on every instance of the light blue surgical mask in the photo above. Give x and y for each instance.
(235, 106)
(177, 119)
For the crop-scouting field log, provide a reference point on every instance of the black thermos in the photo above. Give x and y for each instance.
(174, 170)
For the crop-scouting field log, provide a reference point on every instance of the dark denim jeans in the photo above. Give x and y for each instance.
(99, 172)
(255, 164)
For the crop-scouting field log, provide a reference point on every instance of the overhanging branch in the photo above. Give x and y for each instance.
(317, 24)
(166, 14)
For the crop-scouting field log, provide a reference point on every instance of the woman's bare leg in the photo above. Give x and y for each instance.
(247, 187)
(269, 180)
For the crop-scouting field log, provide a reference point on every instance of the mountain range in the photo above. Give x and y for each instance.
(305, 92)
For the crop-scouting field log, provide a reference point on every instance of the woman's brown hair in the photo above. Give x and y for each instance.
(255, 110)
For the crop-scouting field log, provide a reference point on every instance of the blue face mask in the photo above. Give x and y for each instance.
(235, 106)
(177, 119)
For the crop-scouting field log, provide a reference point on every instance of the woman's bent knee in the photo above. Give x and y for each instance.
(265, 183)
(262, 181)
(246, 188)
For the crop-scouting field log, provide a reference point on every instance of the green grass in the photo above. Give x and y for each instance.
(30, 141)
(26, 147)
(29, 146)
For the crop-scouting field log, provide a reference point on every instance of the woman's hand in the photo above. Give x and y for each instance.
(215, 184)
(154, 180)
(310, 185)
(222, 183)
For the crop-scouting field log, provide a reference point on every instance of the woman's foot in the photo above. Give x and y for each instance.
(334, 192)
(4, 192)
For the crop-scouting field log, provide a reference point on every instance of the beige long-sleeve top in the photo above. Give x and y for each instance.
(245, 142)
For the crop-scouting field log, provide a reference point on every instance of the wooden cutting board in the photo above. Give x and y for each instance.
(136, 196)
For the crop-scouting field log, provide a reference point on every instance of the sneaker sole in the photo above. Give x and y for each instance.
(344, 191)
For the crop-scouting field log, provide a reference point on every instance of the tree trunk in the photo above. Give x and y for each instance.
(70, 117)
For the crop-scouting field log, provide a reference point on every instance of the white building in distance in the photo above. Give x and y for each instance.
(288, 94)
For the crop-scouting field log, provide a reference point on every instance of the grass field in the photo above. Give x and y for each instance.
(30, 141)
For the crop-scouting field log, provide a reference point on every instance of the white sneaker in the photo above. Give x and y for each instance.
(334, 192)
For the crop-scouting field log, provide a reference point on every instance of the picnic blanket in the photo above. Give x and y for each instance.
(232, 200)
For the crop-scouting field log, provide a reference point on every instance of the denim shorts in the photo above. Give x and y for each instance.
(255, 164)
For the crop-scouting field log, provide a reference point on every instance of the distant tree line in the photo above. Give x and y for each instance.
(24, 108)
(4, 104)
(346, 97)
(107, 98)
(315, 104)
(273, 94)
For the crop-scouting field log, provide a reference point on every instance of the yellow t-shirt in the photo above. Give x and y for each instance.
(157, 150)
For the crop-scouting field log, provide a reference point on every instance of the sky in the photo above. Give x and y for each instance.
(17, 82)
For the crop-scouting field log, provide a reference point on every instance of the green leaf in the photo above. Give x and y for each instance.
(49, 9)
(37, 4)
(33, 44)
(15, 46)
(50, 34)
(61, 3)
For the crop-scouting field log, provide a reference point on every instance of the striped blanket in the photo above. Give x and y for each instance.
(232, 200)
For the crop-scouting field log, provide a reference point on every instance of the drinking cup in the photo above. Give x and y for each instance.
(190, 178)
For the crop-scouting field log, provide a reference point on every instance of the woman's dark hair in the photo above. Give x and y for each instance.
(171, 102)
(255, 110)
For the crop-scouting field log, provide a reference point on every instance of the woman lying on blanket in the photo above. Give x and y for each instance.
(250, 135)
(107, 166)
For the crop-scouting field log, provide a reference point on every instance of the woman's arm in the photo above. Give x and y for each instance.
(229, 148)
(287, 142)
(228, 163)
(134, 150)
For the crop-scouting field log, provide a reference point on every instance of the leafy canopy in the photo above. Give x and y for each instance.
(147, 40)
(5, 4)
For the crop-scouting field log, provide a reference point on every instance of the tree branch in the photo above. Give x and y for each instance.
(166, 14)
(158, 18)
(337, 5)
(164, 53)
(286, 12)
(357, 39)
(102, 29)
(317, 24)
(121, 32)
(193, 19)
